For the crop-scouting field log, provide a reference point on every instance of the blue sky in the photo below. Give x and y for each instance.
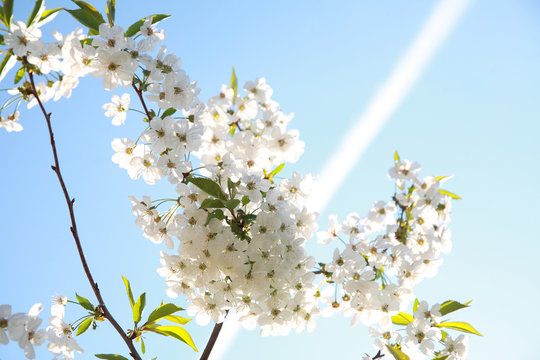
(473, 113)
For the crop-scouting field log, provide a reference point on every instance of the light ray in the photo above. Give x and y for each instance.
(387, 99)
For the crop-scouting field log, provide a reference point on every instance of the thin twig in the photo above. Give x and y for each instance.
(139, 92)
(69, 201)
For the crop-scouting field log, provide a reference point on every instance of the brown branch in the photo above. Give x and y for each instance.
(139, 92)
(211, 341)
(69, 201)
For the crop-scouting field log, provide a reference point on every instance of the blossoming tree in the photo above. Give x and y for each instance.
(231, 235)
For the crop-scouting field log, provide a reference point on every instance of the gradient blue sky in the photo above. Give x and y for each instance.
(474, 113)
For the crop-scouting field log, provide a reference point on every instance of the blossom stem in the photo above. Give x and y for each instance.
(139, 93)
(70, 201)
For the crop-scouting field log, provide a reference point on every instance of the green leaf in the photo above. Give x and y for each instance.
(2, 42)
(441, 357)
(397, 353)
(110, 357)
(7, 63)
(139, 307)
(178, 333)
(136, 27)
(39, 7)
(444, 334)
(86, 6)
(249, 218)
(232, 204)
(231, 185)
(208, 186)
(448, 193)
(212, 204)
(168, 112)
(396, 157)
(86, 18)
(128, 289)
(450, 306)
(162, 311)
(275, 171)
(48, 13)
(8, 12)
(143, 348)
(402, 319)
(19, 75)
(177, 319)
(2, 15)
(442, 177)
(110, 15)
(234, 84)
(459, 326)
(218, 214)
(245, 200)
(84, 326)
(415, 306)
(85, 303)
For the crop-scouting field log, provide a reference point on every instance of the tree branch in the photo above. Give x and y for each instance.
(69, 201)
(211, 341)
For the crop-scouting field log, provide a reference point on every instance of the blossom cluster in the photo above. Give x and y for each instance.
(387, 252)
(240, 248)
(422, 336)
(24, 329)
(236, 230)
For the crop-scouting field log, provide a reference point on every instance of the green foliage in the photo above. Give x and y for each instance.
(402, 319)
(234, 84)
(134, 28)
(168, 112)
(129, 292)
(163, 311)
(88, 16)
(441, 357)
(459, 326)
(110, 357)
(396, 158)
(232, 187)
(218, 214)
(111, 4)
(448, 193)
(8, 12)
(415, 306)
(231, 204)
(38, 7)
(86, 19)
(212, 204)
(19, 75)
(84, 326)
(208, 186)
(274, 172)
(49, 12)
(138, 308)
(176, 332)
(177, 319)
(143, 347)
(450, 306)
(397, 353)
(85, 303)
(4, 68)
